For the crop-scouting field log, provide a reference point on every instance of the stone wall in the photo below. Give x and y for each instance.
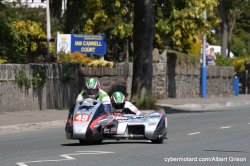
(184, 78)
(159, 82)
(187, 82)
(54, 93)
(220, 81)
(171, 79)
(118, 78)
(61, 94)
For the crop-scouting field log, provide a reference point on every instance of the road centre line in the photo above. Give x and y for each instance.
(65, 156)
(94, 152)
(194, 133)
(41, 161)
(226, 127)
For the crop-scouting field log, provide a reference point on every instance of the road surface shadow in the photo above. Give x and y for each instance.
(183, 111)
(179, 111)
(126, 142)
(71, 144)
(113, 142)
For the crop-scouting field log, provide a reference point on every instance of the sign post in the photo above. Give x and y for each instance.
(204, 69)
(48, 29)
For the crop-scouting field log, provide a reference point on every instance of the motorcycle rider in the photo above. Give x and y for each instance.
(119, 103)
(94, 91)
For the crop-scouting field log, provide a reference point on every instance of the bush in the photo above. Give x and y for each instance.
(75, 57)
(224, 61)
(38, 78)
(67, 73)
(3, 61)
(239, 63)
(83, 59)
(22, 80)
(145, 103)
(239, 47)
(101, 63)
(26, 44)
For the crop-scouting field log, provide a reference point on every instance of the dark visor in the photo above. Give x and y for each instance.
(92, 91)
(118, 105)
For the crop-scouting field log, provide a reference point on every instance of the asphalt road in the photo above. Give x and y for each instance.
(219, 137)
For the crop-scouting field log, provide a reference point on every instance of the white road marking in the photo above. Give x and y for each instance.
(194, 133)
(94, 152)
(21, 164)
(39, 161)
(65, 156)
(226, 127)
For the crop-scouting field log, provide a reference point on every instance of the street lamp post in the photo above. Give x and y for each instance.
(48, 28)
(204, 68)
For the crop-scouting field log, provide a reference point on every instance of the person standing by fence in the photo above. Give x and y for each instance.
(210, 57)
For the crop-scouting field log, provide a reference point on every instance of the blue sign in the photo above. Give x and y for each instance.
(88, 44)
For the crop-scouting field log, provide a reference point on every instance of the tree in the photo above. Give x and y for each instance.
(56, 8)
(229, 10)
(179, 24)
(144, 31)
(114, 18)
(75, 9)
(241, 34)
(26, 41)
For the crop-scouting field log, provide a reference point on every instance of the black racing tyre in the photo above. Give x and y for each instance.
(84, 142)
(158, 141)
(97, 142)
(90, 142)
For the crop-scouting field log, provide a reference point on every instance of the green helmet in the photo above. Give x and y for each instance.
(93, 86)
(118, 100)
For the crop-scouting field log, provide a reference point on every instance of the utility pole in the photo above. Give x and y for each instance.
(48, 29)
(204, 68)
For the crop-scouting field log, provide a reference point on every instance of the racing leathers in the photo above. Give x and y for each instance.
(130, 108)
(102, 97)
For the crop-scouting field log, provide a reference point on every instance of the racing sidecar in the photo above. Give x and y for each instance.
(88, 122)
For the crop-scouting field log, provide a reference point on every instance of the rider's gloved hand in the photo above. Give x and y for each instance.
(138, 113)
(79, 98)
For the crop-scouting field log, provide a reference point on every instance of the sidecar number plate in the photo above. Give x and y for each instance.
(81, 117)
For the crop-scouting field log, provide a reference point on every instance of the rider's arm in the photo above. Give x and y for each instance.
(81, 96)
(132, 108)
(105, 99)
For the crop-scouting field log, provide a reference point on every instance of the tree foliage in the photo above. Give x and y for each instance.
(27, 37)
(181, 23)
(19, 35)
(229, 10)
(241, 33)
(114, 18)
(100, 16)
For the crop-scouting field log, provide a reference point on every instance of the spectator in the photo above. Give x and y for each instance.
(211, 57)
